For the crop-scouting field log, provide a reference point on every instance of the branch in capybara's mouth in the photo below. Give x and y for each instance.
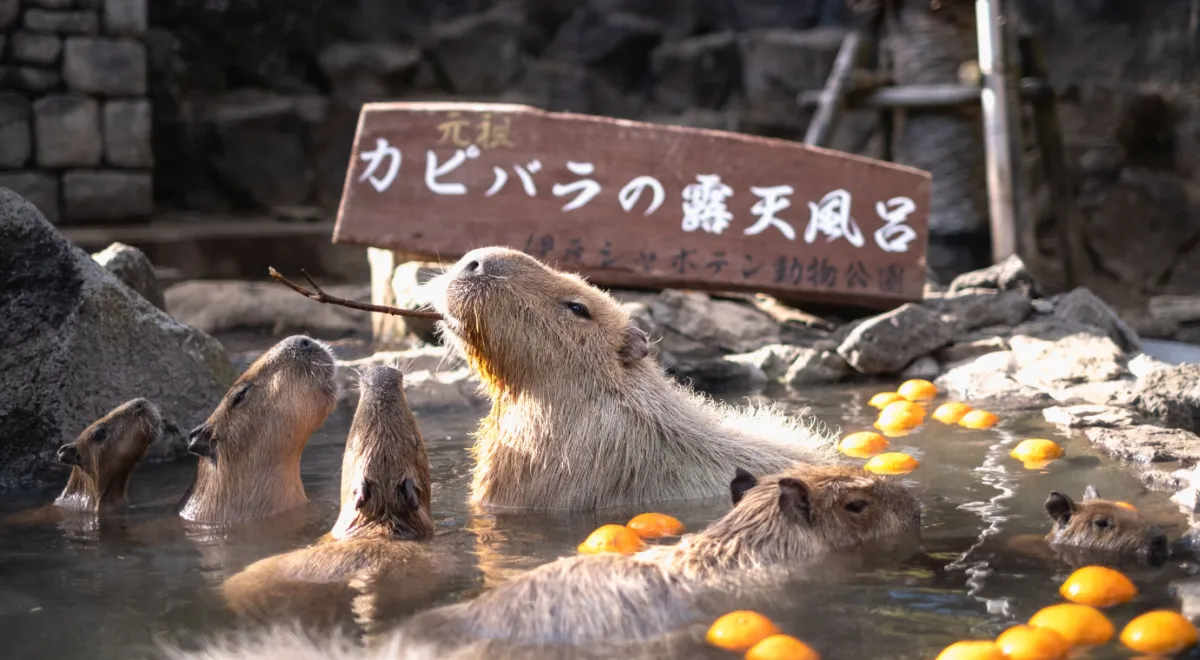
(320, 296)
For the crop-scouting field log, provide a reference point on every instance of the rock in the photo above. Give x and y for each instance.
(755, 14)
(925, 368)
(1083, 306)
(127, 133)
(719, 374)
(1142, 365)
(365, 70)
(1117, 392)
(1008, 275)
(886, 343)
(9, 10)
(241, 127)
(99, 195)
(430, 359)
(1171, 396)
(68, 131)
(693, 324)
(52, 4)
(62, 22)
(479, 53)
(115, 67)
(772, 360)
(968, 350)
(697, 72)
(406, 283)
(778, 64)
(972, 310)
(813, 366)
(33, 79)
(1174, 309)
(78, 342)
(125, 16)
(1042, 305)
(1188, 594)
(35, 48)
(41, 190)
(131, 266)
(1051, 355)
(1146, 443)
(1091, 416)
(16, 130)
(611, 40)
(567, 87)
(223, 306)
(987, 382)
(426, 391)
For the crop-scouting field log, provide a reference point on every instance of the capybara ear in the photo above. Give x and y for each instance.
(794, 501)
(1059, 507)
(408, 494)
(364, 494)
(636, 346)
(1090, 493)
(742, 482)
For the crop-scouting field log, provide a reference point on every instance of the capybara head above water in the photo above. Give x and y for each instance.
(272, 408)
(810, 511)
(104, 455)
(385, 468)
(1104, 526)
(520, 323)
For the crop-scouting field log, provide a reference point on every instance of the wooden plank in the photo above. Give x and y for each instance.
(830, 103)
(636, 204)
(997, 129)
(943, 95)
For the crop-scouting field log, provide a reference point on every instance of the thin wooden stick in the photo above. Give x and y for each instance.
(320, 296)
(830, 104)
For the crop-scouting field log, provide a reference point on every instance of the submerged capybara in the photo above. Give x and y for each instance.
(581, 418)
(373, 546)
(250, 446)
(1103, 526)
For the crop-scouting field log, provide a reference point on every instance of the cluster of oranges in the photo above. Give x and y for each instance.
(758, 637)
(630, 537)
(1055, 631)
(902, 411)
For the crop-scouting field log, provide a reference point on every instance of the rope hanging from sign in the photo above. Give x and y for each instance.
(320, 296)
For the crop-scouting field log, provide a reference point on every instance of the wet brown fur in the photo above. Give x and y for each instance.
(581, 418)
(254, 439)
(1101, 525)
(372, 547)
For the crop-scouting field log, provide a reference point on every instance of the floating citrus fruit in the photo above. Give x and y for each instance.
(1126, 505)
(654, 525)
(971, 650)
(1080, 625)
(740, 630)
(1028, 643)
(978, 419)
(863, 444)
(1098, 586)
(1035, 450)
(917, 390)
(892, 463)
(781, 647)
(883, 398)
(950, 413)
(1161, 632)
(611, 538)
(903, 415)
(889, 432)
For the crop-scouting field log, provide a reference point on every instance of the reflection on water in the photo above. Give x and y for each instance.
(109, 591)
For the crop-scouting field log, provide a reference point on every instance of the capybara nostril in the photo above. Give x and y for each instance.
(200, 441)
(68, 454)
(305, 343)
(1159, 548)
(471, 266)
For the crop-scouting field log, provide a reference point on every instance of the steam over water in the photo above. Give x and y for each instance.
(109, 593)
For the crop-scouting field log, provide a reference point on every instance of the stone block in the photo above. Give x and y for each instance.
(133, 267)
(16, 131)
(125, 16)
(67, 127)
(62, 22)
(51, 4)
(9, 10)
(778, 64)
(33, 79)
(114, 67)
(480, 53)
(98, 195)
(38, 189)
(698, 72)
(34, 48)
(127, 134)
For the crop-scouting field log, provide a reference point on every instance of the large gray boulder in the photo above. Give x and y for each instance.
(1171, 396)
(78, 342)
(133, 267)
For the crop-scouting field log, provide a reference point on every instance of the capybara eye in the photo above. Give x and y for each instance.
(857, 506)
(240, 395)
(99, 435)
(578, 309)
(1101, 523)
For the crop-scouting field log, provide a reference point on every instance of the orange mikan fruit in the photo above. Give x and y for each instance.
(950, 413)
(740, 630)
(883, 398)
(654, 525)
(892, 463)
(917, 390)
(781, 647)
(611, 538)
(1022, 642)
(1161, 632)
(1080, 625)
(978, 420)
(971, 650)
(863, 444)
(1098, 586)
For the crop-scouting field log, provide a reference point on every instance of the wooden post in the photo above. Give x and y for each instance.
(996, 129)
(830, 103)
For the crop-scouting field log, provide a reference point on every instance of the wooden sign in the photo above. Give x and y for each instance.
(634, 204)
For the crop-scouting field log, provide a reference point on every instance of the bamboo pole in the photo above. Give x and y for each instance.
(830, 102)
(994, 98)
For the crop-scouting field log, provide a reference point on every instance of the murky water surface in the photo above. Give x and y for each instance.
(109, 593)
